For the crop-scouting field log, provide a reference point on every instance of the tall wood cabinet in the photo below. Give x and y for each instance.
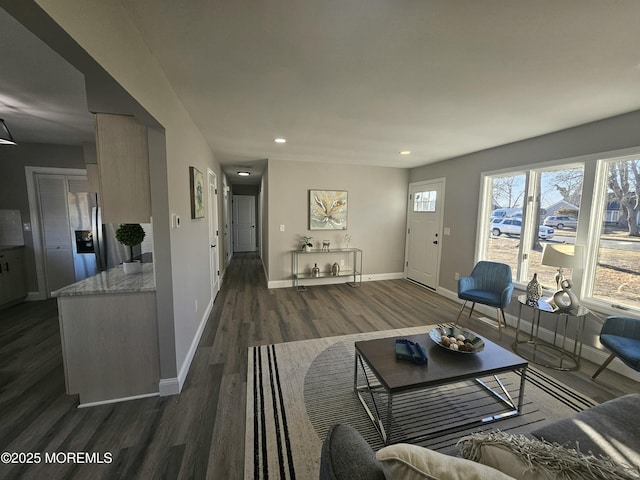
(123, 167)
(13, 279)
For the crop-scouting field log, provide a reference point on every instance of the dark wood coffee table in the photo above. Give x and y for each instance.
(375, 362)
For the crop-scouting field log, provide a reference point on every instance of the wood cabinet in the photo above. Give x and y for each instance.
(13, 280)
(123, 166)
(93, 177)
(110, 346)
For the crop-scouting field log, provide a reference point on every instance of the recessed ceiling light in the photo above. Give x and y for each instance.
(405, 152)
(280, 140)
(244, 174)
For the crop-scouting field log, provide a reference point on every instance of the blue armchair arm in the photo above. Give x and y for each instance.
(466, 283)
(506, 295)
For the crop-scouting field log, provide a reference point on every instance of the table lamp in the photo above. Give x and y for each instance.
(563, 256)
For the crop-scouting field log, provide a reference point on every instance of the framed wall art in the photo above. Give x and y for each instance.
(197, 192)
(327, 210)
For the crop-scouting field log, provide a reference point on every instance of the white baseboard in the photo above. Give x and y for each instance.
(589, 352)
(369, 277)
(117, 400)
(169, 386)
(173, 386)
(35, 297)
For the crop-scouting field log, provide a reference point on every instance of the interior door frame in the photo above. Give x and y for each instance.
(440, 213)
(36, 231)
(214, 227)
(254, 239)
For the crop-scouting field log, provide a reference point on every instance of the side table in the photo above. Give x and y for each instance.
(555, 355)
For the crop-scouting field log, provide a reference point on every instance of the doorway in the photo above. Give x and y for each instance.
(424, 232)
(213, 234)
(244, 223)
(47, 190)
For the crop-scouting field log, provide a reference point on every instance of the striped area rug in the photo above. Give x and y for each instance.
(297, 390)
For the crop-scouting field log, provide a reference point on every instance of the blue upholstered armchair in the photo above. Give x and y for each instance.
(490, 283)
(621, 335)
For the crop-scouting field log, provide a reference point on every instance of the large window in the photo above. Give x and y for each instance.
(523, 210)
(527, 210)
(615, 265)
(507, 199)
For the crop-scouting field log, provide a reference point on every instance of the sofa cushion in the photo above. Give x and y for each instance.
(607, 429)
(403, 461)
(529, 459)
(346, 455)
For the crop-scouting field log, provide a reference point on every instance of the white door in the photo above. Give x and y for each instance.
(244, 223)
(424, 232)
(56, 233)
(213, 234)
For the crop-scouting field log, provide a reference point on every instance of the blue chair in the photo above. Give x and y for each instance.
(490, 283)
(621, 335)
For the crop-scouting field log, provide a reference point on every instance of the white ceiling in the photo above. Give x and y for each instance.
(356, 81)
(42, 97)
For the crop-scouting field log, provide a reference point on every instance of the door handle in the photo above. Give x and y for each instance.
(213, 246)
(435, 242)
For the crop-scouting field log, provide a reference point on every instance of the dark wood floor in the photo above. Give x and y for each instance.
(200, 433)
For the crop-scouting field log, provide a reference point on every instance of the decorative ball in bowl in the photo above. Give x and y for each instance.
(456, 339)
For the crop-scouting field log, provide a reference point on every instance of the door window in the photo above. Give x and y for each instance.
(425, 201)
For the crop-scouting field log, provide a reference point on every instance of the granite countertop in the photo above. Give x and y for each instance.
(9, 247)
(113, 281)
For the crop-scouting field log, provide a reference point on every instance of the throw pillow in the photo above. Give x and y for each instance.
(410, 462)
(529, 459)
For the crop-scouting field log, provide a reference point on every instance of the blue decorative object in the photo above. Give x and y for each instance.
(412, 351)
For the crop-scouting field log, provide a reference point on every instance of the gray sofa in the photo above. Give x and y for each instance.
(606, 432)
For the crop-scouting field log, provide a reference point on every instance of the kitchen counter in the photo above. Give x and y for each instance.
(112, 281)
(4, 248)
(109, 332)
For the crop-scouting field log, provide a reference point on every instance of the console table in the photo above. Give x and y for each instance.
(554, 355)
(349, 259)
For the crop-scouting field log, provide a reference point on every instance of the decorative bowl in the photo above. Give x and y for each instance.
(436, 335)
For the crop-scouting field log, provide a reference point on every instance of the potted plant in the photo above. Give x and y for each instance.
(306, 243)
(130, 234)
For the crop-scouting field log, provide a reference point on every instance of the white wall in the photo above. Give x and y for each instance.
(463, 178)
(377, 203)
(463, 190)
(103, 29)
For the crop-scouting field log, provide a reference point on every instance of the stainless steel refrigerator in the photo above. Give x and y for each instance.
(95, 247)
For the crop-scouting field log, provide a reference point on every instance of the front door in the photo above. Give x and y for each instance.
(424, 233)
(244, 223)
(213, 234)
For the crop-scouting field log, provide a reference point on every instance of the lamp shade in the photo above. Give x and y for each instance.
(5, 135)
(563, 256)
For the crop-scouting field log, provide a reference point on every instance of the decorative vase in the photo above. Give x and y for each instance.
(534, 291)
(132, 267)
(315, 271)
(335, 269)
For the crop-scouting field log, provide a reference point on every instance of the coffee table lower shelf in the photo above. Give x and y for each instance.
(372, 394)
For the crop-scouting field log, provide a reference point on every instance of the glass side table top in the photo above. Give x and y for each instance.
(546, 305)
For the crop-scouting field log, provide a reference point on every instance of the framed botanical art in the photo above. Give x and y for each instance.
(197, 192)
(327, 210)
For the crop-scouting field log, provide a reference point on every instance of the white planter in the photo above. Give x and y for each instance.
(132, 267)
